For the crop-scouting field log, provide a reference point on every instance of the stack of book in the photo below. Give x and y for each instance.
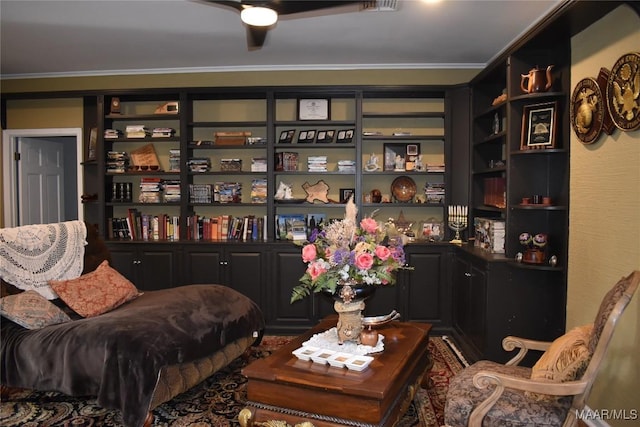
(259, 190)
(117, 161)
(227, 227)
(174, 160)
(150, 190)
(317, 163)
(136, 131)
(200, 193)
(163, 132)
(435, 167)
(347, 166)
(227, 192)
(199, 164)
(434, 191)
(112, 133)
(172, 191)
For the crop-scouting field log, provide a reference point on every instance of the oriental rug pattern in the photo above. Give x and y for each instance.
(216, 401)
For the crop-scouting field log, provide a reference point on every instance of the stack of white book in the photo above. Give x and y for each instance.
(317, 163)
(136, 131)
(162, 132)
(347, 166)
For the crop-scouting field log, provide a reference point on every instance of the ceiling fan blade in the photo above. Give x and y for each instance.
(256, 36)
(286, 7)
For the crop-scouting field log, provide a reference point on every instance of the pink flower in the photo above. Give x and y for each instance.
(315, 270)
(369, 225)
(364, 261)
(309, 253)
(383, 252)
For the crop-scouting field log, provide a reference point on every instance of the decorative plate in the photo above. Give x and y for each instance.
(587, 110)
(623, 88)
(403, 188)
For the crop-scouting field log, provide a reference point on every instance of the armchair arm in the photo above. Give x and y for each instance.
(510, 343)
(483, 379)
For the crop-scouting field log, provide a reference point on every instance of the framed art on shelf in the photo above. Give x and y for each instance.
(286, 136)
(92, 144)
(345, 194)
(314, 109)
(539, 124)
(345, 136)
(325, 136)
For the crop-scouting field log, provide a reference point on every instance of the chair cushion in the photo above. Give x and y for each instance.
(512, 409)
(565, 360)
(97, 292)
(31, 310)
(606, 307)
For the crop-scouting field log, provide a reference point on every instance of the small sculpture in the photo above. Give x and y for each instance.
(284, 192)
(399, 163)
(418, 165)
(317, 191)
(372, 163)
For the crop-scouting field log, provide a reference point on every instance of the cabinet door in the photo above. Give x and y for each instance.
(158, 269)
(245, 273)
(422, 287)
(477, 308)
(124, 260)
(202, 266)
(287, 268)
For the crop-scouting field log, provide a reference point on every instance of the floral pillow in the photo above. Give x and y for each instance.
(31, 310)
(565, 360)
(96, 292)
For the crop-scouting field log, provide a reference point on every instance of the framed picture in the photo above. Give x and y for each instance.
(92, 144)
(345, 193)
(286, 136)
(325, 136)
(539, 124)
(345, 136)
(399, 157)
(302, 136)
(431, 230)
(314, 109)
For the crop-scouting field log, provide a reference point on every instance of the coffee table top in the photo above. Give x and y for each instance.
(285, 381)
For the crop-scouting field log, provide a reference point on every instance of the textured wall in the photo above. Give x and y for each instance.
(604, 231)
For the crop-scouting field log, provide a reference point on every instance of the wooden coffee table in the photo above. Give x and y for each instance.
(283, 388)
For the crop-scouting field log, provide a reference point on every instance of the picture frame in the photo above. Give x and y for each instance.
(325, 136)
(400, 157)
(286, 136)
(539, 123)
(345, 136)
(314, 109)
(92, 145)
(431, 230)
(345, 193)
(306, 136)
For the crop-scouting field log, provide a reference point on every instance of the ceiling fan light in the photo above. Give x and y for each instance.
(258, 16)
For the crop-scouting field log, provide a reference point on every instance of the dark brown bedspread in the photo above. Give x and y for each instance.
(117, 356)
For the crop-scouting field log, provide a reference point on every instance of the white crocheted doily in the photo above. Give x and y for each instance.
(329, 340)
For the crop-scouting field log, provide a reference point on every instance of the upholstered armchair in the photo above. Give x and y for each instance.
(554, 390)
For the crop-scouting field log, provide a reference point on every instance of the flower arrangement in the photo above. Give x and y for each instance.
(539, 241)
(343, 252)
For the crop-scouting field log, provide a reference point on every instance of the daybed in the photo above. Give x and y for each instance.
(135, 356)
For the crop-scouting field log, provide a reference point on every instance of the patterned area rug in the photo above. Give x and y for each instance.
(218, 400)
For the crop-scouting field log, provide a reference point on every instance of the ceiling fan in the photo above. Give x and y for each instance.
(261, 15)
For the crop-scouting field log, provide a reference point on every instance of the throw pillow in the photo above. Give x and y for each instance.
(96, 292)
(31, 310)
(565, 360)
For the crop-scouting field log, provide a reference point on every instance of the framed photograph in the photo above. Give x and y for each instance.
(314, 109)
(345, 193)
(302, 136)
(431, 230)
(539, 124)
(325, 136)
(92, 144)
(286, 136)
(345, 136)
(400, 157)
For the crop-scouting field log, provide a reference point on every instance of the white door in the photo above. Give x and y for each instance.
(41, 181)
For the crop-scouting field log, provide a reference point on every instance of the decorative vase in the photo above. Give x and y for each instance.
(349, 303)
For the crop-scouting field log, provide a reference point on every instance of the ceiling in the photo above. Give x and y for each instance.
(82, 38)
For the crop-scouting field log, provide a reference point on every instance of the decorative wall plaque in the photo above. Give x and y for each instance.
(623, 90)
(587, 110)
